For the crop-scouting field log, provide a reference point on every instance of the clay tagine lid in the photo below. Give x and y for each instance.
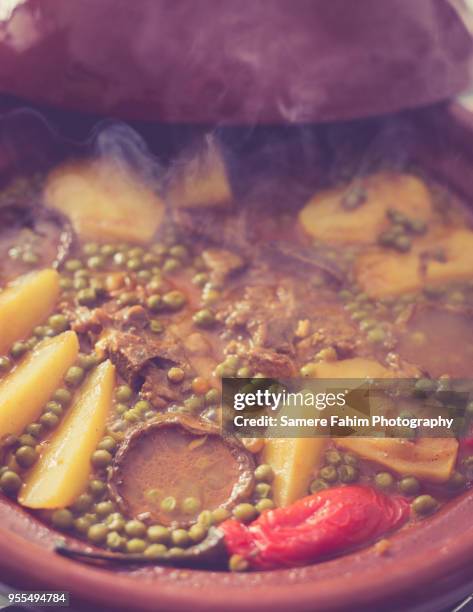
(252, 61)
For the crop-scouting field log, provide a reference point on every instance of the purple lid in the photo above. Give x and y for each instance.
(251, 61)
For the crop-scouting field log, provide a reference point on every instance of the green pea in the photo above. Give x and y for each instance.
(308, 370)
(423, 386)
(237, 563)
(108, 443)
(123, 393)
(30, 258)
(180, 537)
(82, 524)
(367, 324)
(168, 504)
(91, 248)
(135, 529)
(200, 279)
(205, 518)
(104, 508)
(197, 533)
(194, 403)
(143, 275)
(154, 303)
(83, 273)
(80, 283)
(62, 519)
(5, 364)
(190, 505)
(108, 250)
(18, 349)
(158, 534)
(119, 259)
(97, 533)
(72, 265)
(74, 376)
(96, 262)
(115, 541)
(174, 300)
(82, 503)
(49, 420)
(87, 297)
(97, 487)
(87, 362)
(383, 480)
(424, 504)
(155, 551)
(27, 440)
(31, 343)
(156, 326)
(10, 482)
(101, 458)
(409, 485)
(333, 457)
(128, 298)
(115, 521)
(58, 322)
(54, 407)
(244, 372)
(376, 335)
(347, 473)
(133, 264)
(264, 473)
(171, 264)
(151, 260)
(204, 318)
(35, 429)
(219, 515)
(328, 473)
(25, 456)
(262, 489)
(264, 504)
(62, 396)
(358, 315)
(179, 251)
(176, 375)
(212, 397)
(131, 416)
(244, 512)
(318, 485)
(40, 331)
(121, 408)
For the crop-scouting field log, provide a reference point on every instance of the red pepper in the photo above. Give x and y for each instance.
(320, 525)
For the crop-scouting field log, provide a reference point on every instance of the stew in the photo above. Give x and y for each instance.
(123, 306)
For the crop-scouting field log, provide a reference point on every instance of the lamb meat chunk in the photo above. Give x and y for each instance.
(133, 352)
(84, 320)
(132, 318)
(270, 363)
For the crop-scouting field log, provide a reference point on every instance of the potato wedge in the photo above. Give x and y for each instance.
(294, 462)
(200, 179)
(324, 217)
(62, 471)
(381, 273)
(25, 303)
(357, 367)
(104, 201)
(24, 392)
(429, 459)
